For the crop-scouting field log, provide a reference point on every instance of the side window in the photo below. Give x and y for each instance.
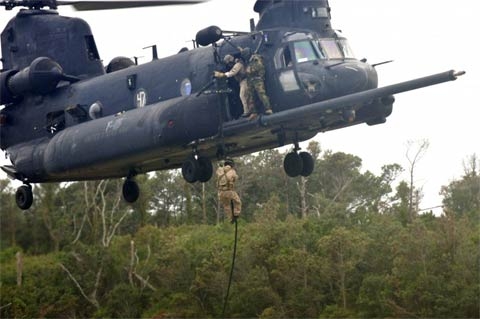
(319, 12)
(288, 81)
(283, 58)
(284, 63)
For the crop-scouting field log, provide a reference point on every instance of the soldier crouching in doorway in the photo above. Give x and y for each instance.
(227, 196)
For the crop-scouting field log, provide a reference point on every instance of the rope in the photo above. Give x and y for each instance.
(233, 261)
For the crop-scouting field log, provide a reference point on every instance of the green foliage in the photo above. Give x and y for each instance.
(336, 244)
(44, 291)
(462, 197)
(291, 268)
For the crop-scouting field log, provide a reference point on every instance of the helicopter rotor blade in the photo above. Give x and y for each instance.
(86, 5)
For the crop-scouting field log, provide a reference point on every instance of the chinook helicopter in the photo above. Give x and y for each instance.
(67, 117)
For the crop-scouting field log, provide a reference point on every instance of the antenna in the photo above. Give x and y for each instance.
(252, 24)
(154, 51)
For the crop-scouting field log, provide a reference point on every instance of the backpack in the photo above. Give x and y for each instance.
(221, 177)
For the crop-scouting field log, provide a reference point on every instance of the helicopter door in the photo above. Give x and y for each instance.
(286, 77)
(285, 69)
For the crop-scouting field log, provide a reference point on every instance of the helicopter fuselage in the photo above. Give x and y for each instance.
(68, 118)
(142, 117)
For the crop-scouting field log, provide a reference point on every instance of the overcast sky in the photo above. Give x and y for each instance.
(422, 37)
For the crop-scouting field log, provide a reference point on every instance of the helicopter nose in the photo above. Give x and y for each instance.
(352, 77)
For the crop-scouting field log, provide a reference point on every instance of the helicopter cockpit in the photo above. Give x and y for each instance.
(316, 65)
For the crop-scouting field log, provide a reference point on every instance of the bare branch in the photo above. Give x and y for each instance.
(79, 233)
(114, 229)
(92, 301)
(422, 147)
(5, 306)
(131, 270)
(101, 192)
(97, 283)
(144, 282)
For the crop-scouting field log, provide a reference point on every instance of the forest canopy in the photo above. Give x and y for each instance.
(340, 243)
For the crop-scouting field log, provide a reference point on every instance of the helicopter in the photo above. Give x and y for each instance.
(67, 117)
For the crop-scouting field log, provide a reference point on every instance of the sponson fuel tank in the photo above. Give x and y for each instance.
(120, 141)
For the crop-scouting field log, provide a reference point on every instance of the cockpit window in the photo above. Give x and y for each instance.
(330, 49)
(346, 50)
(304, 51)
(298, 50)
(335, 49)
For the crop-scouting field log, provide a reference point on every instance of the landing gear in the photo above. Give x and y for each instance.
(296, 164)
(24, 197)
(197, 169)
(206, 169)
(190, 170)
(293, 164)
(130, 190)
(308, 164)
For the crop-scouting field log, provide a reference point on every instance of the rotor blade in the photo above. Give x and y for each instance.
(85, 5)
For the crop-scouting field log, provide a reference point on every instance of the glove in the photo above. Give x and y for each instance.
(218, 74)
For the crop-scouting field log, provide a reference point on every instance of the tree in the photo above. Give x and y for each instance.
(260, 176)
(52, 212)
(103, 214)
(333, 178)
(462, 197)
(341, 252)
(9, 219)
(413, 157)
(315, 150)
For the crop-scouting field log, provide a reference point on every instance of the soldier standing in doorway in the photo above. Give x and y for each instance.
(256, 84)
(227, 196)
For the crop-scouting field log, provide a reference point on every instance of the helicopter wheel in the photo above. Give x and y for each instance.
(293, 164)
(24, 197)
(308, 164)
(130, 191)
(205, 169)
(191, 170)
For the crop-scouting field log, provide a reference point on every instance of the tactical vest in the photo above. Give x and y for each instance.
(256, 68)
(223, 183)
(242, 74)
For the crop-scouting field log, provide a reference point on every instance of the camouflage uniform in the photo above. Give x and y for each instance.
(256, 83)
(226, 177)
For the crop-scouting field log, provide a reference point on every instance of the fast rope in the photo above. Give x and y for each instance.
(233, 261)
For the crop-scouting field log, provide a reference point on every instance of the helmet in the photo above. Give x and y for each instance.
(228, 59)
(246, 53)
(229, 162)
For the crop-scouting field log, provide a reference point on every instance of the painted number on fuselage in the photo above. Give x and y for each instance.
(141, 98)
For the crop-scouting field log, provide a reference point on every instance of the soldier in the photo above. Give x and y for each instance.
(227, 196)
(238, 72)
(256, 83)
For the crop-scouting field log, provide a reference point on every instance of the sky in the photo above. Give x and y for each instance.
(422, 37)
